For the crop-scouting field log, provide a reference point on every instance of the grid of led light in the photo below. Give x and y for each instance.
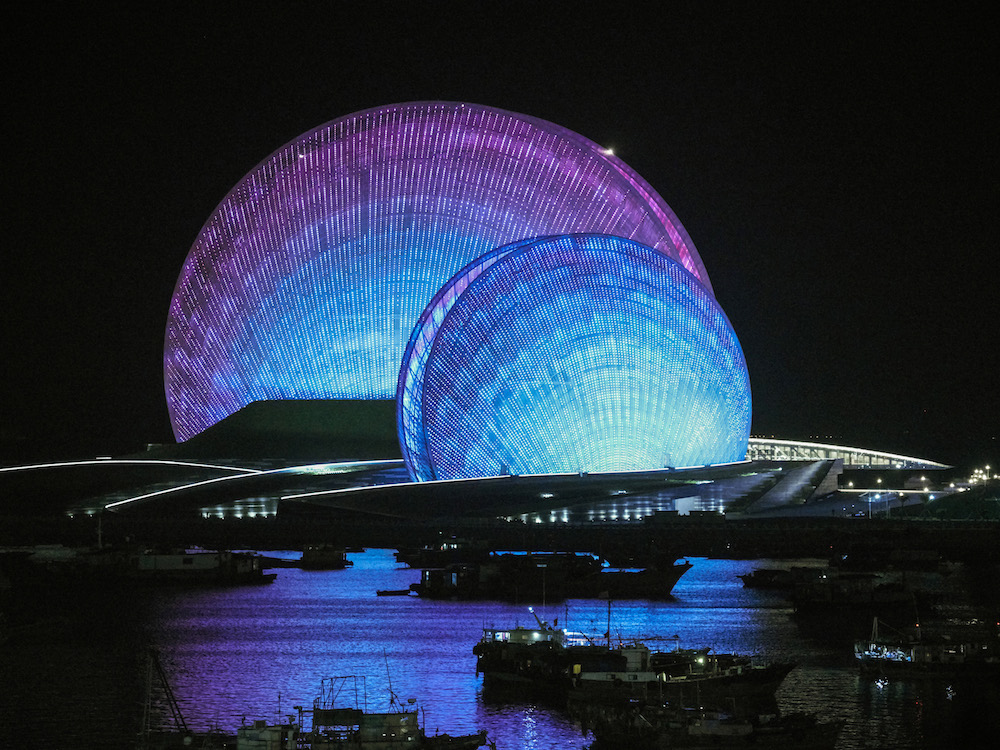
(409, 391)
(571, 353)
(307, 279)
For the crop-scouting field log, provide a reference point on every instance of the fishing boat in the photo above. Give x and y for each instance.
(339, 720)
(546, 576)
(685, 677)
(575, 668)
(509, 576)
(834, 591)
(527, 657)
(60, 567)
(652, 726)
(445, 552)
(629, 583)
(196, 566)
(324, 557)
(956, 652)
(780, 579)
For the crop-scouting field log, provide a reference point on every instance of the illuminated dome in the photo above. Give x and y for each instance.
(571, 353)
(306, 281)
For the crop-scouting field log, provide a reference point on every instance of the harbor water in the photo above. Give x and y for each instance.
(77, 677)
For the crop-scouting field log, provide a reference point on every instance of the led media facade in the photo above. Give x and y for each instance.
(571, 353)
(307, 279)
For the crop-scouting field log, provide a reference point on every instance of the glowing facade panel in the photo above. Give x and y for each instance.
(307, 279)
(571, 353)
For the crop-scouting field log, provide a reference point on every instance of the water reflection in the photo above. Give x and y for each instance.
(255, 652)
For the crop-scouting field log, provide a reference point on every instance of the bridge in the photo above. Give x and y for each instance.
(768, 449)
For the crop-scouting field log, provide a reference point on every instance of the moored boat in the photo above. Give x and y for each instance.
(57, 567)
(332, 724)
(198, 566)
(324, 557)
(509, 576)
(546, 576)
(339, 720)
(446, 552)
(571, 667)
(652, 726)
(852, 592)
(645, 583)
(952, 654)
(780, 579)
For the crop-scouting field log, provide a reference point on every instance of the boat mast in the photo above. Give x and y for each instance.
(392, 696)
(153, 665)
(608, 634)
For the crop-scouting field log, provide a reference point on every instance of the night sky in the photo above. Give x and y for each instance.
(835, 167)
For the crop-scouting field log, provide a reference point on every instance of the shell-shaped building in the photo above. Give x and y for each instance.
(579, 353)
(307, 279)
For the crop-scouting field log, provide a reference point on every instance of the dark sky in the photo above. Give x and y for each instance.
(836, 168)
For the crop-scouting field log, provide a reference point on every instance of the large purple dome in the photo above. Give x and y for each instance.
(307, 279)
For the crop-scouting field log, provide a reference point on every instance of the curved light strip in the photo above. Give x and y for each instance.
(309, 469)
(306, 280)
(128, 462)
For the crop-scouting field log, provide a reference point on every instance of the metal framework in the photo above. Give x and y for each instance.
(769, 449)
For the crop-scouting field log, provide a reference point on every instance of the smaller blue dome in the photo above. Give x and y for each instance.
(570, 353)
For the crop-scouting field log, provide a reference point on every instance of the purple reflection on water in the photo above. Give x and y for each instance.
(237, 652)
(231, 653)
